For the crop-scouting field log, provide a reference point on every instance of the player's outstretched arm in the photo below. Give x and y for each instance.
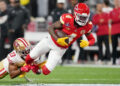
(14, 71)
(53, 27)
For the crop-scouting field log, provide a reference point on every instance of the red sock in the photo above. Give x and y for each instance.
(28, 59)
(45, 70)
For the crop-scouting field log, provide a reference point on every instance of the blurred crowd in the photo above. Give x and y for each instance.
(16, 16)
(107, 22)
(14, 19)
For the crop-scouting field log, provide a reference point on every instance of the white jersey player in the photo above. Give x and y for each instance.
(14, 61)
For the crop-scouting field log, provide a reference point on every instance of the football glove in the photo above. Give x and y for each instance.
(35, 69)
(25, 68)
(84, 43)
(23, 73)
(61, 41)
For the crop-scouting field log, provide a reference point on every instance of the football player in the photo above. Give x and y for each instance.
(13, 63)
(74, 26)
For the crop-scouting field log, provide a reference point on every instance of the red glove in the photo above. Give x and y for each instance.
(35, 69)
(25, 68)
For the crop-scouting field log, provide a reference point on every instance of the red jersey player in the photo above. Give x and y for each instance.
(74, 26)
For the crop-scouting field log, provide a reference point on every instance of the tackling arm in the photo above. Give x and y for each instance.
(14, 71)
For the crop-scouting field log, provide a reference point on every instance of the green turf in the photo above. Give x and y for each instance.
(87, 75)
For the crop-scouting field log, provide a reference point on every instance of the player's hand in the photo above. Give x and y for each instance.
(62, 41)
(25, 68)
(35, 69)
(84, 43)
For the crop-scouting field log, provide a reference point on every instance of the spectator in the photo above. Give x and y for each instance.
(34, 8)
(115, 21)
(58, 11)
(101, 20)
(51, 5)
(3, 27)
(106, 7)
(19, 18)
(26, 3)
(71, 6)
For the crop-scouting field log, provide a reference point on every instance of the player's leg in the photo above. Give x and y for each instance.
(53, 58)
(100, 40)
(107, 51)
(114, 47)
(3, 72)
(41, 48)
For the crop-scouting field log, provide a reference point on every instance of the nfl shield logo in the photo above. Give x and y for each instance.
(67, 24)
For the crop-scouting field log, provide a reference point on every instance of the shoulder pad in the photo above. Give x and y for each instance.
(65, 17)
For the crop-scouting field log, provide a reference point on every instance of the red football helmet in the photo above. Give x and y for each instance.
(81, 14)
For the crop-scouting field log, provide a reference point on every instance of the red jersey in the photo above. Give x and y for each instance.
(115, 17)
(102, 26)
(69, 28)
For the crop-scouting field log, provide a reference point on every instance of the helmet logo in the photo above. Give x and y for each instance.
(76, 7)
(16, 44)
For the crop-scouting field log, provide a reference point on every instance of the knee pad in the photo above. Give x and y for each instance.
(45, 70)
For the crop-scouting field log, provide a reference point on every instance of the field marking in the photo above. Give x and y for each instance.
(68, 85)
(76, 79)
(91, 65)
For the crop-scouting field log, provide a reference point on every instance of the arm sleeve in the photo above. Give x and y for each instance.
(91, 39)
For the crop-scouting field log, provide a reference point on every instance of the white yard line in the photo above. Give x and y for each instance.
(92, 65)
(68, 85)
(64, 85)
(75, 79)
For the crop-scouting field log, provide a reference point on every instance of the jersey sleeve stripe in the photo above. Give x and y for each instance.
(61, 20)
(3, 71)
(9, 60)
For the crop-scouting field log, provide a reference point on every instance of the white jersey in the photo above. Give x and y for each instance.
(13, 57)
